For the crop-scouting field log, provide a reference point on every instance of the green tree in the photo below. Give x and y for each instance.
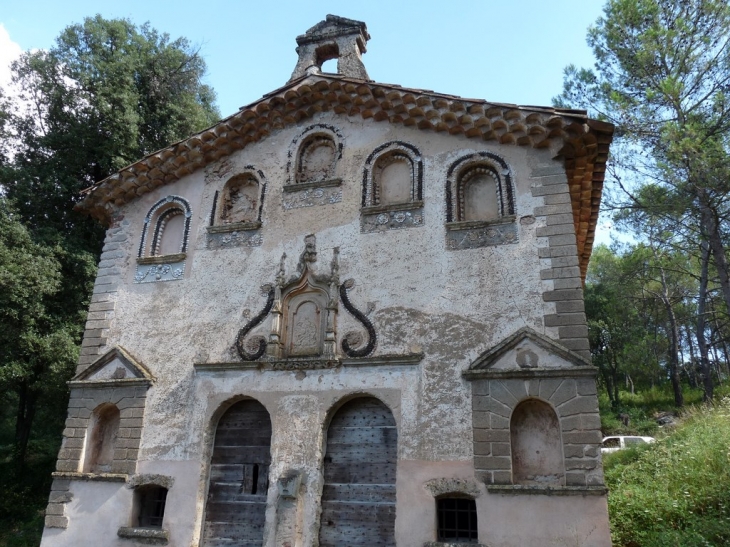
(619, 325)
(106, 94)
(36, 351)
(663, 77)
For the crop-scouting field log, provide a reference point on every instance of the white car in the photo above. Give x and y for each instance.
(617, 442)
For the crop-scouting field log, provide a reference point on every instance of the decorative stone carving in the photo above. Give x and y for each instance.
(240, 200)
(307, 196)
(164, 241)
(243, 235)
(392, 192)
(472, 235)
(368, 348)
(235, 220)
(393, 217)
(303, 311)
(479, 203)
(160, 272)
(243, 351)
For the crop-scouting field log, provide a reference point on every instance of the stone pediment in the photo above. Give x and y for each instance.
(115, 367)
(528, 353)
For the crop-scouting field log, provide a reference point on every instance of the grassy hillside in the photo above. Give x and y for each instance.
(675, 493)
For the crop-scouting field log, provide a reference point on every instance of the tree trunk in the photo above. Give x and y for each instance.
(673, 343)
(711, 227)
(701, 324)
(23, 422)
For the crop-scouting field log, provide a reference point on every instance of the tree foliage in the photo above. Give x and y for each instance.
(662, 76)
(105, 95)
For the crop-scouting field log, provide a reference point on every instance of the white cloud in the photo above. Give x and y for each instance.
(9, 51)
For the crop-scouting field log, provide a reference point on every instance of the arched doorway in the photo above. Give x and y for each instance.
(239, 477)
(358, 499)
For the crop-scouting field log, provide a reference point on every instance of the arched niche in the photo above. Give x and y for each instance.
(393, 179)
(536, 445)
(240, 200)
(478, 195)
(239, 476)
(479, 188)
(393, 176)
(166, 228)
(316, 159)
(101, 439)
(358, 497)
(306, 316)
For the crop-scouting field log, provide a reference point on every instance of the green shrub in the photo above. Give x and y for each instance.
(675, 492)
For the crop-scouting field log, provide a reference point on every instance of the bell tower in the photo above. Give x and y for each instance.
(334, 38)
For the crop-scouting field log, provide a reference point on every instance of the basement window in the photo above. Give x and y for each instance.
(457, 520)
(150, 505)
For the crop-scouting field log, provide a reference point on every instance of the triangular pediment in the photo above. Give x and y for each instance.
(527, 350)
(114, 367)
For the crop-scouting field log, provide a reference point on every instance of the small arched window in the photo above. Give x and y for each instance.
(101, 439)
(240, 200)
(317, 159)
(456, 519)
(536, 445)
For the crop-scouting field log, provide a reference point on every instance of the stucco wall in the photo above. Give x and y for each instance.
(448, 305)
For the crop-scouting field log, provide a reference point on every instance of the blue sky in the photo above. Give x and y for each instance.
(502, 51)
(511, 52)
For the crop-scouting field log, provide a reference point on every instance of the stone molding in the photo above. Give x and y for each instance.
(442, 486)
(412, 359)
(311, 185)
(233, 227)
(520, 489)
(161, 259)
(92, 477)
(580, 366)
(143, 479)
(576, 372)
(144, 535)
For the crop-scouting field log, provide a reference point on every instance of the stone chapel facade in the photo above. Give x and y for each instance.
(351, 314)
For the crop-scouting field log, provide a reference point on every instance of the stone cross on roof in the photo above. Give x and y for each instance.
(334, 38)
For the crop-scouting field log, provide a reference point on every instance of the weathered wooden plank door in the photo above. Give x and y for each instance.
(358, 500)
(239, 477)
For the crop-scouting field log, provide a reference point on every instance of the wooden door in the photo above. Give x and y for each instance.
(358, 500)
(239, 477)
